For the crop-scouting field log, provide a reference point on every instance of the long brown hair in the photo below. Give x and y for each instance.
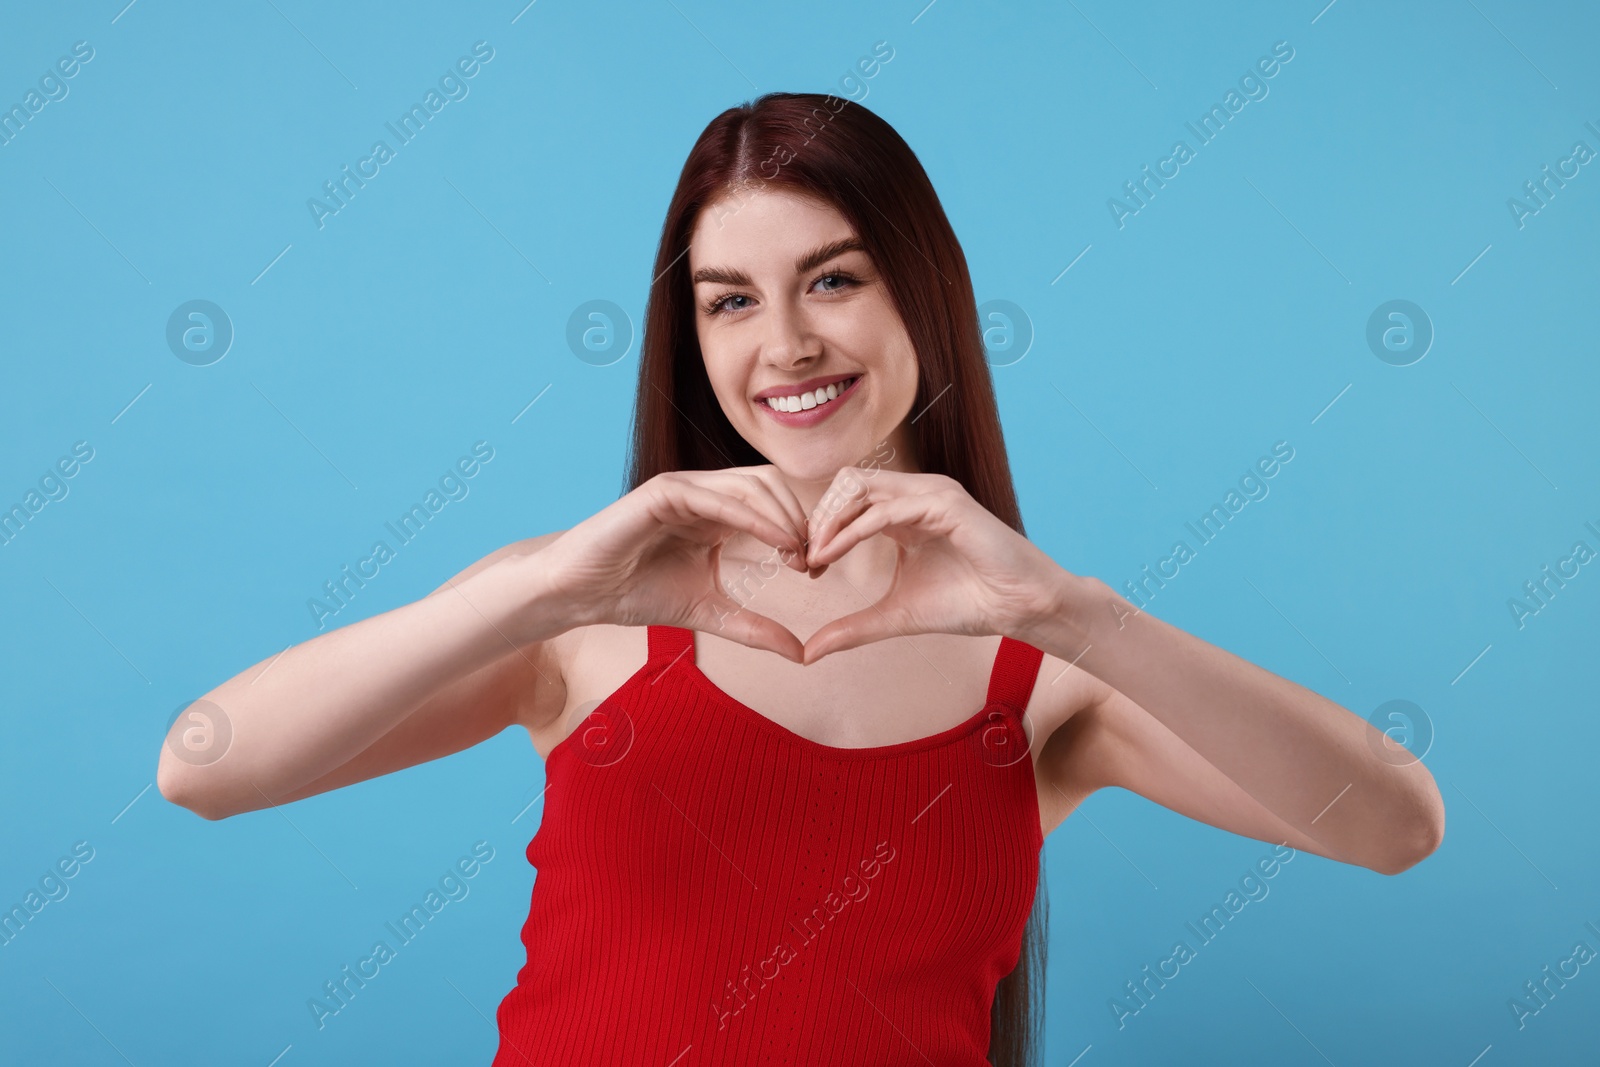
(840, 152)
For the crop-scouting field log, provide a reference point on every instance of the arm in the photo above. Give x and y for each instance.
(1281, 763)
(434, 676)
(1317, 767)
(1114, 742)
(387, 692)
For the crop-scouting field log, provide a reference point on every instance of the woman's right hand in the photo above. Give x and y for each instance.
(650, 558)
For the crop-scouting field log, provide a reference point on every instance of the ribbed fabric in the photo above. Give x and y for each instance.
(713, 888)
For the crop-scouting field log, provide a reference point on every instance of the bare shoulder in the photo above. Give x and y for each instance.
(1065, 699)
(538, 667)
(593, 661)
(1060, 691)
(585, 665)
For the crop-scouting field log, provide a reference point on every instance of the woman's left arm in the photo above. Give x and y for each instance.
(1317, 766)
(1311, 762)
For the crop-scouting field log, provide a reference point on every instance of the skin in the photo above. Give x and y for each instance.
(901, 583)
(781, 326)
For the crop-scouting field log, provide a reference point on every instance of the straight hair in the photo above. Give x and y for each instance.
(837, 151)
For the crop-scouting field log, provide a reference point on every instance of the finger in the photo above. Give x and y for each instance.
(791, 504)
(792, 518)
(854, 488)
(873, 623)
(744, 484)
(769, 476)
(710, 512)
(877, 518)
(780, 490)
(846, 497)
(725, 617)
(687, 503)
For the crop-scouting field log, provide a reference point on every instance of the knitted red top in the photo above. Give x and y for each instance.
(713, 888)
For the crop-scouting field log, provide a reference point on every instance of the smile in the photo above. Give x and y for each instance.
(811, 406)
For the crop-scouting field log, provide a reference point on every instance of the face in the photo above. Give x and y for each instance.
(788, 303)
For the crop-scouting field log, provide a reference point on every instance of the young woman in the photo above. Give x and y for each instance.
(761, 849)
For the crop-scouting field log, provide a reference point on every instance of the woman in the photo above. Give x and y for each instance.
(848, 874)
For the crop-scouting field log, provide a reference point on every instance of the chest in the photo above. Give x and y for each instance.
(885, 694)
(710, 817)
(882, 694)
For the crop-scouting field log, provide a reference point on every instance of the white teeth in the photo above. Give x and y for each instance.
(807, 401)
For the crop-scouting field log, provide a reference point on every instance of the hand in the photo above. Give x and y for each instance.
(651, 557)
(958, 568)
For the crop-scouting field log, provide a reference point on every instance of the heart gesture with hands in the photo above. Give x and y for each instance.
(959, 569)
(651, 557)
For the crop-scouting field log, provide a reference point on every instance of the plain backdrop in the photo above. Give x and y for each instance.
(1142, 368)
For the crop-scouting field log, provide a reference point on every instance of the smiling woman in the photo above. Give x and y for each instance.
(710, 775)
(838, 272)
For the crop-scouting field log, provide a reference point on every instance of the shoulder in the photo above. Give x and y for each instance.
(592, 662)
(1061, 691)
(540, 701)
(586, 662)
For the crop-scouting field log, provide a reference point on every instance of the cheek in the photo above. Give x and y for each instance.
(903, 371)
(876, 337)
(730, 385)
(719, 370)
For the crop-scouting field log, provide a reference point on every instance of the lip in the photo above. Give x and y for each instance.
(810, 385)
(815, 415)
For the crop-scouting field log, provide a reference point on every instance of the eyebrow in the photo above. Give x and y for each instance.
(814, 258)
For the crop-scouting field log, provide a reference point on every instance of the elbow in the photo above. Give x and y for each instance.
(187, 773)
(1417, 838)
(180, 788)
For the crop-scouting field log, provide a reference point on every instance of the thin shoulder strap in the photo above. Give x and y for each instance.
(1016, 665)
(668, 643)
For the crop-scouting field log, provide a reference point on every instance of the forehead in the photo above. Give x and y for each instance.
(748, 228)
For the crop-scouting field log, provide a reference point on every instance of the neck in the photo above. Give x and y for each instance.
(894, 453)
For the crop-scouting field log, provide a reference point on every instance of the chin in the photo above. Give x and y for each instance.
(818, 466)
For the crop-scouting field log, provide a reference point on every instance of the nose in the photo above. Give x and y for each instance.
(790, 340)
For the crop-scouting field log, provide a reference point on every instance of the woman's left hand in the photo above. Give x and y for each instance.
(959, 569)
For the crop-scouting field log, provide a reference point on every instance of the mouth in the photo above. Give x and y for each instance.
(792, 406)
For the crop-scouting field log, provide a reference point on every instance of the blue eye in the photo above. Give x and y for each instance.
(717, 306)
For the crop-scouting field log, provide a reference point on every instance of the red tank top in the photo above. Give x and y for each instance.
(714, 888)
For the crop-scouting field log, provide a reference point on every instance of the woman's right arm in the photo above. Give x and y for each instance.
(404, 687)
(442, 673)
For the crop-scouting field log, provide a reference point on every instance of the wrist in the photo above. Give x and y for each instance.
(541, 608)
(1063, 626)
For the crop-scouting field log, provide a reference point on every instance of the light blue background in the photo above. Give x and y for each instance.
(1228, 314)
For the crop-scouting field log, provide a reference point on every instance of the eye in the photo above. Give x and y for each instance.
(844, 277)
(719, 305)
(715, 307)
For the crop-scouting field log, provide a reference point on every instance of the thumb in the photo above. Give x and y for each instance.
(730, 619)
(873, 623)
